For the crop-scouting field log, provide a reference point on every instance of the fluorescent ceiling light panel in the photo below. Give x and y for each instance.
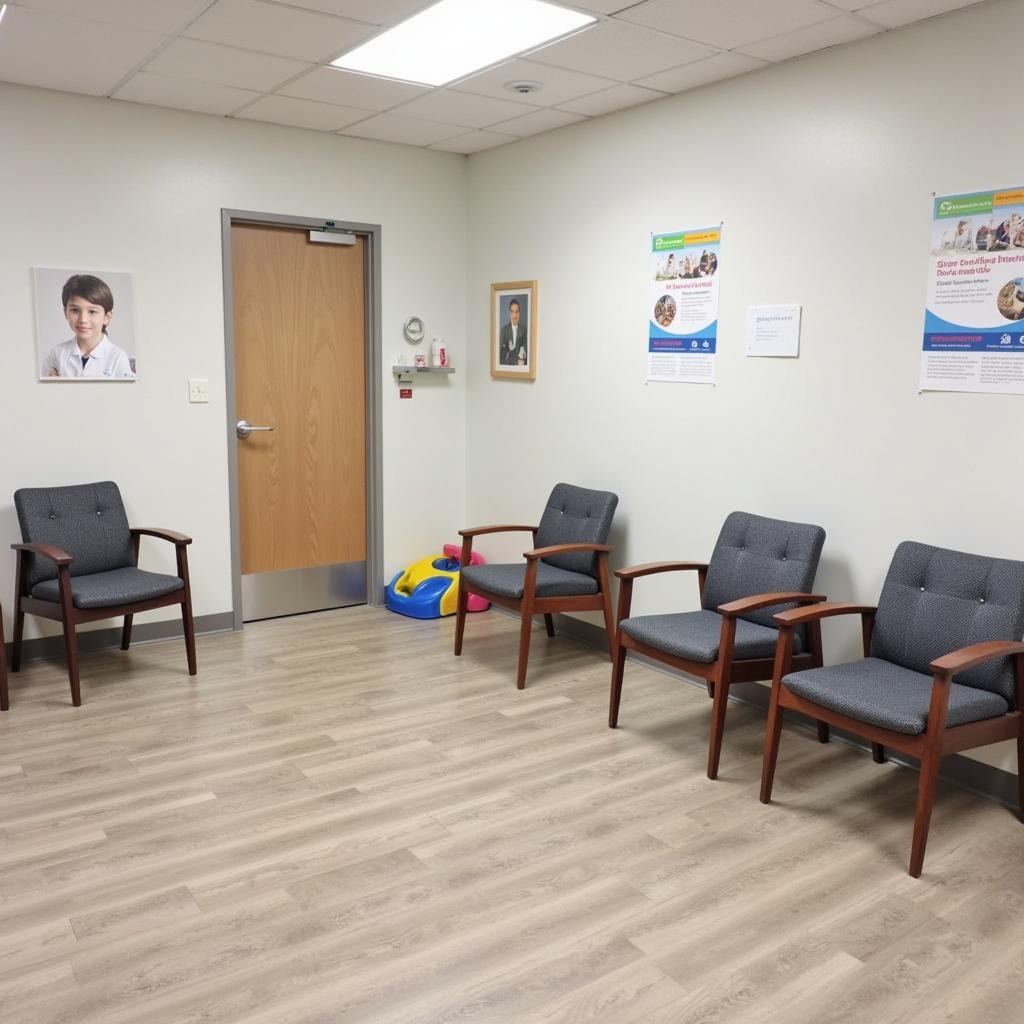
(457, 37)
(3, 11)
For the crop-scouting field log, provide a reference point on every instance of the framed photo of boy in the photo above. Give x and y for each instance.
(85, 325)
(514, 330)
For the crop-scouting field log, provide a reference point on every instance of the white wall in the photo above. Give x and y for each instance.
(111, 185)
(822, 170)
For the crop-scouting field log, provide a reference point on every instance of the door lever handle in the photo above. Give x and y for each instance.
(243, 429)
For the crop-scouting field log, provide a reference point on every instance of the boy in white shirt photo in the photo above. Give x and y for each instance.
(88, 308)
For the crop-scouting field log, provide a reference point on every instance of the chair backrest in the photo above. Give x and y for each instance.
(88, 521)
(576, 515)
(756, 555)
(935, 601)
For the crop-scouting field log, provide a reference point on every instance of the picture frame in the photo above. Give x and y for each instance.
(91, 337)
(514, 330)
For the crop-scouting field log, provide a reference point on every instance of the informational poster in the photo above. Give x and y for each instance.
(773, 331)
(974, 320)
(683, 306)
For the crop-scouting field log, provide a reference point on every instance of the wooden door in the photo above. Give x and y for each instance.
(299, 332)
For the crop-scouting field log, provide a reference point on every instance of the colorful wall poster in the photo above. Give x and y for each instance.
(974, 319)
(682, 306)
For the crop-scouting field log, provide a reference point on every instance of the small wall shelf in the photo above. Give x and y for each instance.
(404, 373)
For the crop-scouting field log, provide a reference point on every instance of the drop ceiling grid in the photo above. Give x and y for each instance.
(268, 59)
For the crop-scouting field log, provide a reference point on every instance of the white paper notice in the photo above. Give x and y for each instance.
(773, 331)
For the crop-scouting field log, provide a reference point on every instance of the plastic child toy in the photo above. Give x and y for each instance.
(429, 588)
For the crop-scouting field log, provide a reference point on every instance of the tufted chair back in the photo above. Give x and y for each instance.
(756, 555)
(87, 521)
(575, 515)
(935, 601)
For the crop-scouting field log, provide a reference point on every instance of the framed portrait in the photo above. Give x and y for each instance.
(514, 330)
(85, 325)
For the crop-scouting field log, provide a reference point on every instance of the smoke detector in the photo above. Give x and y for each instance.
(524, 88)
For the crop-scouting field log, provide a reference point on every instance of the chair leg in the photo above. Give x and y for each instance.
(525, 626)
(19, 628)
(461, 607)
(926, 788)
(773, 735)
(1020, 776)
(717, 726)
(878, 753)
(126, 632)
(71, 651)
(549, 623)
(618, 668)
(824, 733)
(5, 697)
(190, 635)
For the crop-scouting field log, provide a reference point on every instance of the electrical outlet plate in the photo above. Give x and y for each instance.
(198, 390)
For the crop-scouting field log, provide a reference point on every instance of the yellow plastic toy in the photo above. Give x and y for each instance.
(429, 588)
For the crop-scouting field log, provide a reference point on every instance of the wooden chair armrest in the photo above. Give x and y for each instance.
(152, 531)
(564, 549)
(758, 601)
(476, 531)
(632, 572)
(798, 616)
(976, 654)
(50, 551)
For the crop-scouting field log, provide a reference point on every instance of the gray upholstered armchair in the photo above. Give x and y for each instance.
(78, 562)
(758, 566)
(566, 570)
(942, 615)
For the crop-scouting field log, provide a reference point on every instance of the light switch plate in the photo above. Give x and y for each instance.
(198, 389)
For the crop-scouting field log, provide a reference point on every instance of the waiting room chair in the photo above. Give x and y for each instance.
(757, 565)
(567, 570)
(79, 562)
(5, 700)
(942, 614)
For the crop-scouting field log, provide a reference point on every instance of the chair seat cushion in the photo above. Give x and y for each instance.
(695, 635)
(887, 695)
(118, 586)
(508, 580)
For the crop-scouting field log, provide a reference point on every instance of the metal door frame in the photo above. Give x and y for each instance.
(373, 364)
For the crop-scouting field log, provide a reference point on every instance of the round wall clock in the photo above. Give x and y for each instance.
(413, 330)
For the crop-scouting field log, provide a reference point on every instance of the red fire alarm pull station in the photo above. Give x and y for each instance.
(405, 392)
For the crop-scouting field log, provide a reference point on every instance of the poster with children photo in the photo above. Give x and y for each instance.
(85, 325)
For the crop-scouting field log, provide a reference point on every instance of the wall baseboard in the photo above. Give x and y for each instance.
(51, 648)
(983, 779)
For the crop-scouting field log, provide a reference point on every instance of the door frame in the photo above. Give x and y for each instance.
(374, 393)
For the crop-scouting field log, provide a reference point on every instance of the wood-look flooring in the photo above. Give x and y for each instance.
(338, 821)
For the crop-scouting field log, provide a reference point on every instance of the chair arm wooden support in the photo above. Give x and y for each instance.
(758, 601)
(50, 551)
(632, 572)
(476, 531)
(564, 549)
(798, 616)
(169, 535)
(977, 654)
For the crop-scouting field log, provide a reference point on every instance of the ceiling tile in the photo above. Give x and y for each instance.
(711, 69)
(897, 13)
(165, 16)
(210, 62)
(474, 142)
(613, 49)
(559, 84)
(375, 12)
(46, 50)
(270, 28)
(409, 130)
(539, 121)
(183, 94)
(807, 40)
(325, 117)
(618, 97)
(605, 6)
(332, 85)
(462, 108)
(727, 23)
